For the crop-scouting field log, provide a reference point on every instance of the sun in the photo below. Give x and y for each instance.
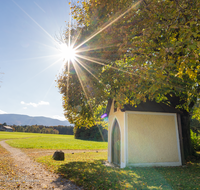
(68, 52)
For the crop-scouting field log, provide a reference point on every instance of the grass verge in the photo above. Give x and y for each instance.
(50, 141)
(6, 162)
(7, 170)
(87, 170)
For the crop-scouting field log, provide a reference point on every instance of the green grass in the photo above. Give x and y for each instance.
(87, 170)
(16, 135)
(50, 141)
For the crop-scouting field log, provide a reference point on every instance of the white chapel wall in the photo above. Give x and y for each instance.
(152, 138)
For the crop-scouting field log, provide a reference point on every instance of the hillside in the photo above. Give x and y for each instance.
(16, 119)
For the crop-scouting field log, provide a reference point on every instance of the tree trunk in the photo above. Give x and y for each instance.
(185, 123)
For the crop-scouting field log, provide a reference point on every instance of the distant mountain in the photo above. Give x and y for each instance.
(16, 119)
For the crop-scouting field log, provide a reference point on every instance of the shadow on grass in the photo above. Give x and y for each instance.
(94, 175)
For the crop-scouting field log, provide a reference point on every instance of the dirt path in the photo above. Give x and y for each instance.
(32, 175)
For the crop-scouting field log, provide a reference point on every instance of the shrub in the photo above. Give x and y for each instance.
(94, 133)
(195, 140)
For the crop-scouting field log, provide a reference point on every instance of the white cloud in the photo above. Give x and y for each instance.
(62, 118)
(41, 103)
(2, 112)
(24, 108)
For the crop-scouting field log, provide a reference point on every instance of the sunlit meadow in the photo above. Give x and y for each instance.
(50, 141)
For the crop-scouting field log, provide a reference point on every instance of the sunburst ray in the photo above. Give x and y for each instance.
(86, 49)
(108, 25)
(77, 69)
(88, 58)
(78, 61)
(35, 22)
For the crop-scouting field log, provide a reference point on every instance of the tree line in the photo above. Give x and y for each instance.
(67, 130)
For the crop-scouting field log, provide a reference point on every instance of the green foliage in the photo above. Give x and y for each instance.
(155, 52)
(195, 126)
(68, 130)
(196, 114)
(158, 51)
(195, 139)
(79, 109)
(195, 134)
(87, 170)
(44, 129)
(152, 51)
(95, 133)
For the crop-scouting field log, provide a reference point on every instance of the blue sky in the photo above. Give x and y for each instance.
(28, 54)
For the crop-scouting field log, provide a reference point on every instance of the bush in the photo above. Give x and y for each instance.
(94, 133)
(195, 140)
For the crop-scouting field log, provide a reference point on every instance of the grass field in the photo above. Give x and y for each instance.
(87, 170)
(16, 135)
(50, 141)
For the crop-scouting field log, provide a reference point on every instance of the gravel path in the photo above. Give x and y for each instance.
(32, 175)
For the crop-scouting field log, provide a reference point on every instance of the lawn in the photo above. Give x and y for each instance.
(16, 135)
(87, 170)
(50, 141)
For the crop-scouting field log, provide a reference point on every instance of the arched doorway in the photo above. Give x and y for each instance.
(116, 144)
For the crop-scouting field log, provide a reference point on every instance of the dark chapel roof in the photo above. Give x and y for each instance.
(148, 106)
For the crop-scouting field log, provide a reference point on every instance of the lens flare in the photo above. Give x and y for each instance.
(68, 53)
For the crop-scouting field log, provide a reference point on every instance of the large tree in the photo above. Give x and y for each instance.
(151, 50)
